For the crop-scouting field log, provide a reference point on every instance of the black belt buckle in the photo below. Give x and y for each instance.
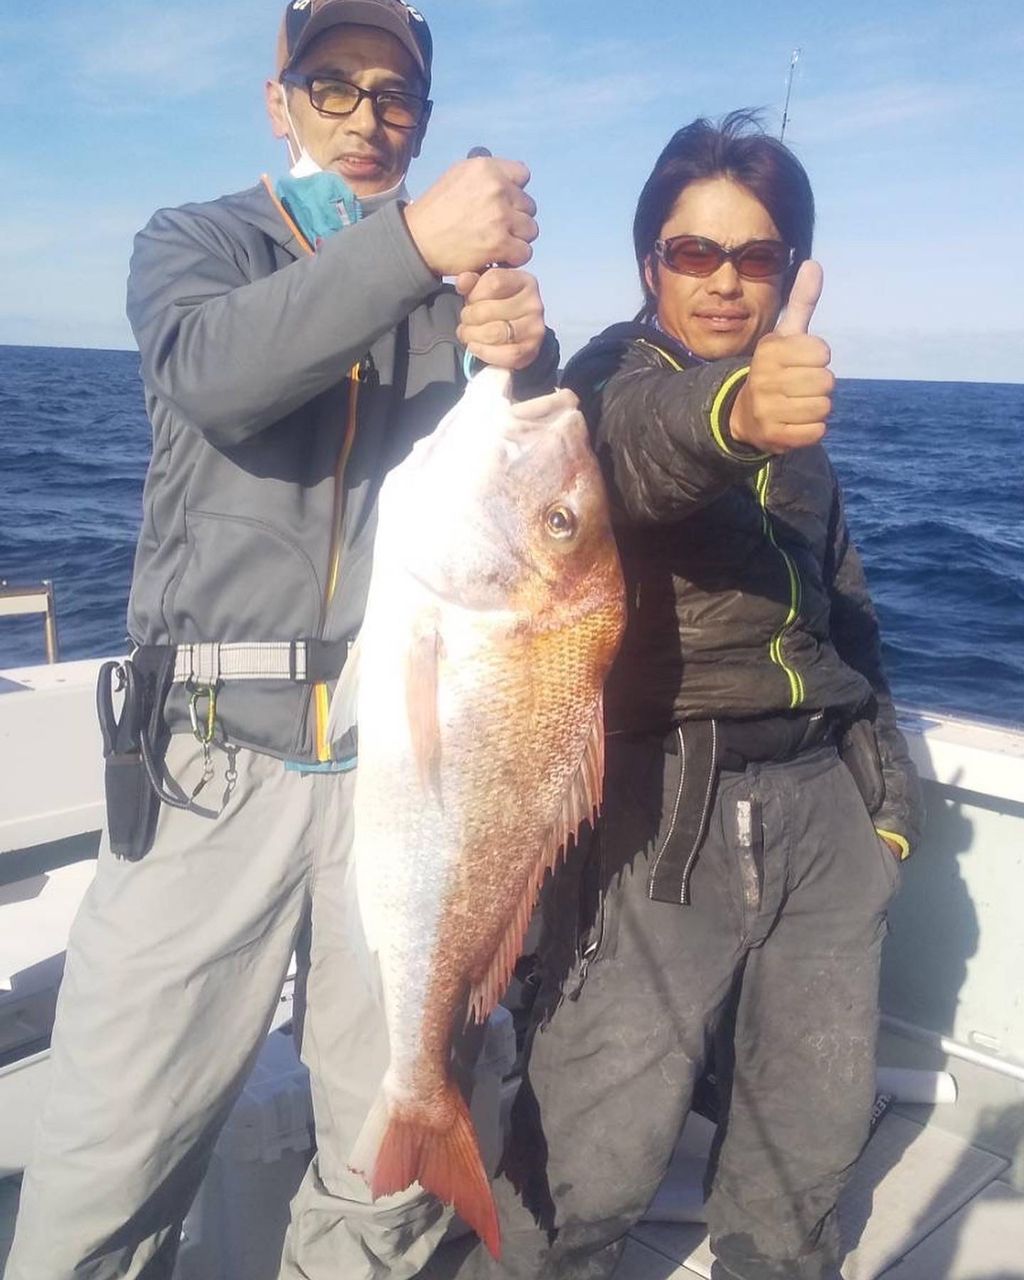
(325, 659)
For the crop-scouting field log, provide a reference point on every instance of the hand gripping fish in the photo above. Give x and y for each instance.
(495, 608)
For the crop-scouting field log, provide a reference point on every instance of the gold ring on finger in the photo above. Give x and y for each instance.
(510, 333)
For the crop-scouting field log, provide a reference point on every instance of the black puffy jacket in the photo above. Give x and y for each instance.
(745, 594)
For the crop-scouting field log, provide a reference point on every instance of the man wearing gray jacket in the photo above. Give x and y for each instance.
(296, 339)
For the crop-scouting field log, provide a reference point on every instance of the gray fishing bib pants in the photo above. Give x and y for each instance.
(174, 969)
(775, 965)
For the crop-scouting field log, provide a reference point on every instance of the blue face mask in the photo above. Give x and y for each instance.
(321, 203)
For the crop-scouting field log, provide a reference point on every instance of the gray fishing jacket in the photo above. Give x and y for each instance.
(259, 509)
(746, 596)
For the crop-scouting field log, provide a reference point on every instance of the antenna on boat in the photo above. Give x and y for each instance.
(794, 59)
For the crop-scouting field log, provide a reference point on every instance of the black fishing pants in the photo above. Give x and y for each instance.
(771, 975)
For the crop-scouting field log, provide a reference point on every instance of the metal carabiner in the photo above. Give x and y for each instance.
(203, 733)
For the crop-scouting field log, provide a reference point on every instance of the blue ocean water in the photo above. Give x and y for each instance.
(933, 474)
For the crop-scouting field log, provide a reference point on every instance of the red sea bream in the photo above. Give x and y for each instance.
(495, 609)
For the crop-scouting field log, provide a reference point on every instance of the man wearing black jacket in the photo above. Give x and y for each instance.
(296, 340)
(731, 909)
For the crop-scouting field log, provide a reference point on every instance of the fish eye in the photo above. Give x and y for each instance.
(560, 522)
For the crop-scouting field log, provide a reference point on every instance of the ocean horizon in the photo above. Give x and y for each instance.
(977, 382)
(931, 471)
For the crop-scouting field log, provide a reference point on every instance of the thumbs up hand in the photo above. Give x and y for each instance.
(787, 397)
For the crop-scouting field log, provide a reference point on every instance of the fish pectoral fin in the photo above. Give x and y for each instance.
(581, 804)
(426, 649)
(396, 1149)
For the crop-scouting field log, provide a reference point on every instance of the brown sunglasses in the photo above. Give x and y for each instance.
(698, 256)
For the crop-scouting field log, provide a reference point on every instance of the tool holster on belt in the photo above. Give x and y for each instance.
(134, 744)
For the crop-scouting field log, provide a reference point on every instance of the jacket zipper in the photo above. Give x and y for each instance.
(587, 955)
(321, 700)
(796, 684)
(684, 895)
(675, 815)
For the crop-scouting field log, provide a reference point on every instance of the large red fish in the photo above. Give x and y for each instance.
(495, 609)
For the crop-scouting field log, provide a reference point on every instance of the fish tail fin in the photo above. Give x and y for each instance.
(394, 1150)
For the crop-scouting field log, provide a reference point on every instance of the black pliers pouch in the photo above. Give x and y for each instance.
(134, 745)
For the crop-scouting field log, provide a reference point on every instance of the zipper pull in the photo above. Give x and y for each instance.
(588, 955)
(368, 371)
(577, 990)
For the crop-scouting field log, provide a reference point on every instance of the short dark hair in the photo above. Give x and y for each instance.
(736, 148)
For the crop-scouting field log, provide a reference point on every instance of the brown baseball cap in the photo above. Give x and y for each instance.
(304, 20)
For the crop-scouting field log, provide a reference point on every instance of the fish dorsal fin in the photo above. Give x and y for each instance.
(581, 803)
(421, 676)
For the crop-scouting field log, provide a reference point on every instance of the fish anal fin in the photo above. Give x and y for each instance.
(580, 804)
(421, 686)
(395, 1149)
(486, 993)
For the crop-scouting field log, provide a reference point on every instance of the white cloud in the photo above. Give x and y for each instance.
(531, 102)
(844, 114)
(128, 58)
(172, 55)
(526, 77)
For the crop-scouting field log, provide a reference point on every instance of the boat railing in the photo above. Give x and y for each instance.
(35, 598)
(951, 990)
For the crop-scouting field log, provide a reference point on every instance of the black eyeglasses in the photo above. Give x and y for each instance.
(332, 97)
(698, 256)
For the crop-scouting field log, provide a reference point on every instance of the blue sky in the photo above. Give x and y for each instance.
(908, 116)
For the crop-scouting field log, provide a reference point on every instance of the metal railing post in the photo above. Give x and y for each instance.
(50, 623)
(19, 601)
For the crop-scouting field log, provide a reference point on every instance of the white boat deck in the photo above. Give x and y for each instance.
(981, 1240)
(939, 1191)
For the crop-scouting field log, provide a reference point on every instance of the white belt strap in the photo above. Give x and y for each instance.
(205, 664)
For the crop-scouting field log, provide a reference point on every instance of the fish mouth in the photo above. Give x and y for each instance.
(552, 406)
